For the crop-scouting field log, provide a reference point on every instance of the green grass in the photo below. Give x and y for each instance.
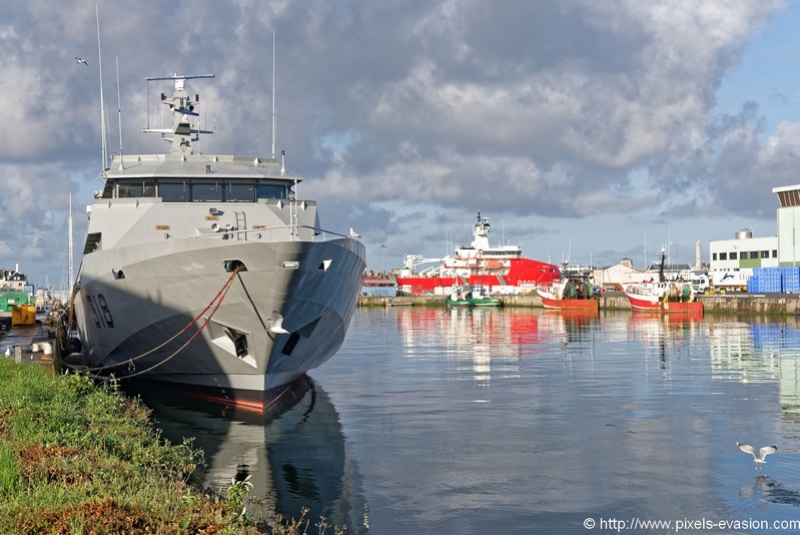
(76, 458)
(9, 471)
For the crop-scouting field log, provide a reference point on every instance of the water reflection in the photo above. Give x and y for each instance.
(462, 421)
(766, 488)
(296, 453)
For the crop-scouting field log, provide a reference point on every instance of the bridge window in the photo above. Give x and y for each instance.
(240, 192)
(203, 192)
(271, 191)
(140, 189)
(196, 190)
(173, 191)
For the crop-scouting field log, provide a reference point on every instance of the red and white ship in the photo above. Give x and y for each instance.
(569, 294)
(501, 269)
(663, 296)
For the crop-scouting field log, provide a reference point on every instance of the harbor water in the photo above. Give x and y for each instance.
(525, 420)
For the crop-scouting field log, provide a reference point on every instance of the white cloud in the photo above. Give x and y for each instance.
(553, 109)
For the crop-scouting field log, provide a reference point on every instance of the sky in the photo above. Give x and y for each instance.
(585, 131)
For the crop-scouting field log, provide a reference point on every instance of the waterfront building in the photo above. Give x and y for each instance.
(744, 251)
(788, 221)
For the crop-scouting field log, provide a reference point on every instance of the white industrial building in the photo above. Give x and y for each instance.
(788, 220)
(743, 251)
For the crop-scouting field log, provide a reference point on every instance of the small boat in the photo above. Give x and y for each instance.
(664, 296)
(481, 298)
(476, 297)
(569, 294)
(458, 298)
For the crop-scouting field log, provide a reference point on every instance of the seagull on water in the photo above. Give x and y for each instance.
(81, 60)
(354, 234)
(762, 453)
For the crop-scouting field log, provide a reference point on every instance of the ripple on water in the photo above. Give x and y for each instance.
(521, 421)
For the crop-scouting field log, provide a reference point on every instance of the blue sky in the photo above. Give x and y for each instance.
(582, 129)
(768, 71)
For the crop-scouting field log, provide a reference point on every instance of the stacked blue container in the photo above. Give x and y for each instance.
(775, 284)
(754, 282)
(791, 279)
(768, 280)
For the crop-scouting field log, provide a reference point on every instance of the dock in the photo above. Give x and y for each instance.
(35, 344)
(734, 303)
(608, 301)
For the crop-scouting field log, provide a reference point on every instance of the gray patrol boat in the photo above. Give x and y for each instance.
(205, 271)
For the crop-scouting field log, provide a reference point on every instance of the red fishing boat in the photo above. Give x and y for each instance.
(569, 294)
(675, 296)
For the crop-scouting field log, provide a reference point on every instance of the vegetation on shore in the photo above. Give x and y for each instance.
(76, 458)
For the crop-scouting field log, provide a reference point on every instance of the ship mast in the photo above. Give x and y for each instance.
(69, 226)
(274, 112)
(103, 147)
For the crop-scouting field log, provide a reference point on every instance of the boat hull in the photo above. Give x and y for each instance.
(179, 316)
(488, 302)
(644, 302)
(552, 301)
(522, 273)
(653, 304)
(563, 296)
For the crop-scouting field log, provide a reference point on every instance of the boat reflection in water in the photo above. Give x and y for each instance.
(295, 453)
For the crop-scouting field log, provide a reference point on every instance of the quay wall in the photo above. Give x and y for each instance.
(752, 304)
(609, 301)
(727, 304)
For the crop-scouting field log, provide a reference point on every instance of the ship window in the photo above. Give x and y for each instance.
(240, 192)
(734, 256)
(271, 191)
(173, 191)
(140, 189)
(774, 253)
(713, 256)
(723, 256)
(206, 192)
(764, 254)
